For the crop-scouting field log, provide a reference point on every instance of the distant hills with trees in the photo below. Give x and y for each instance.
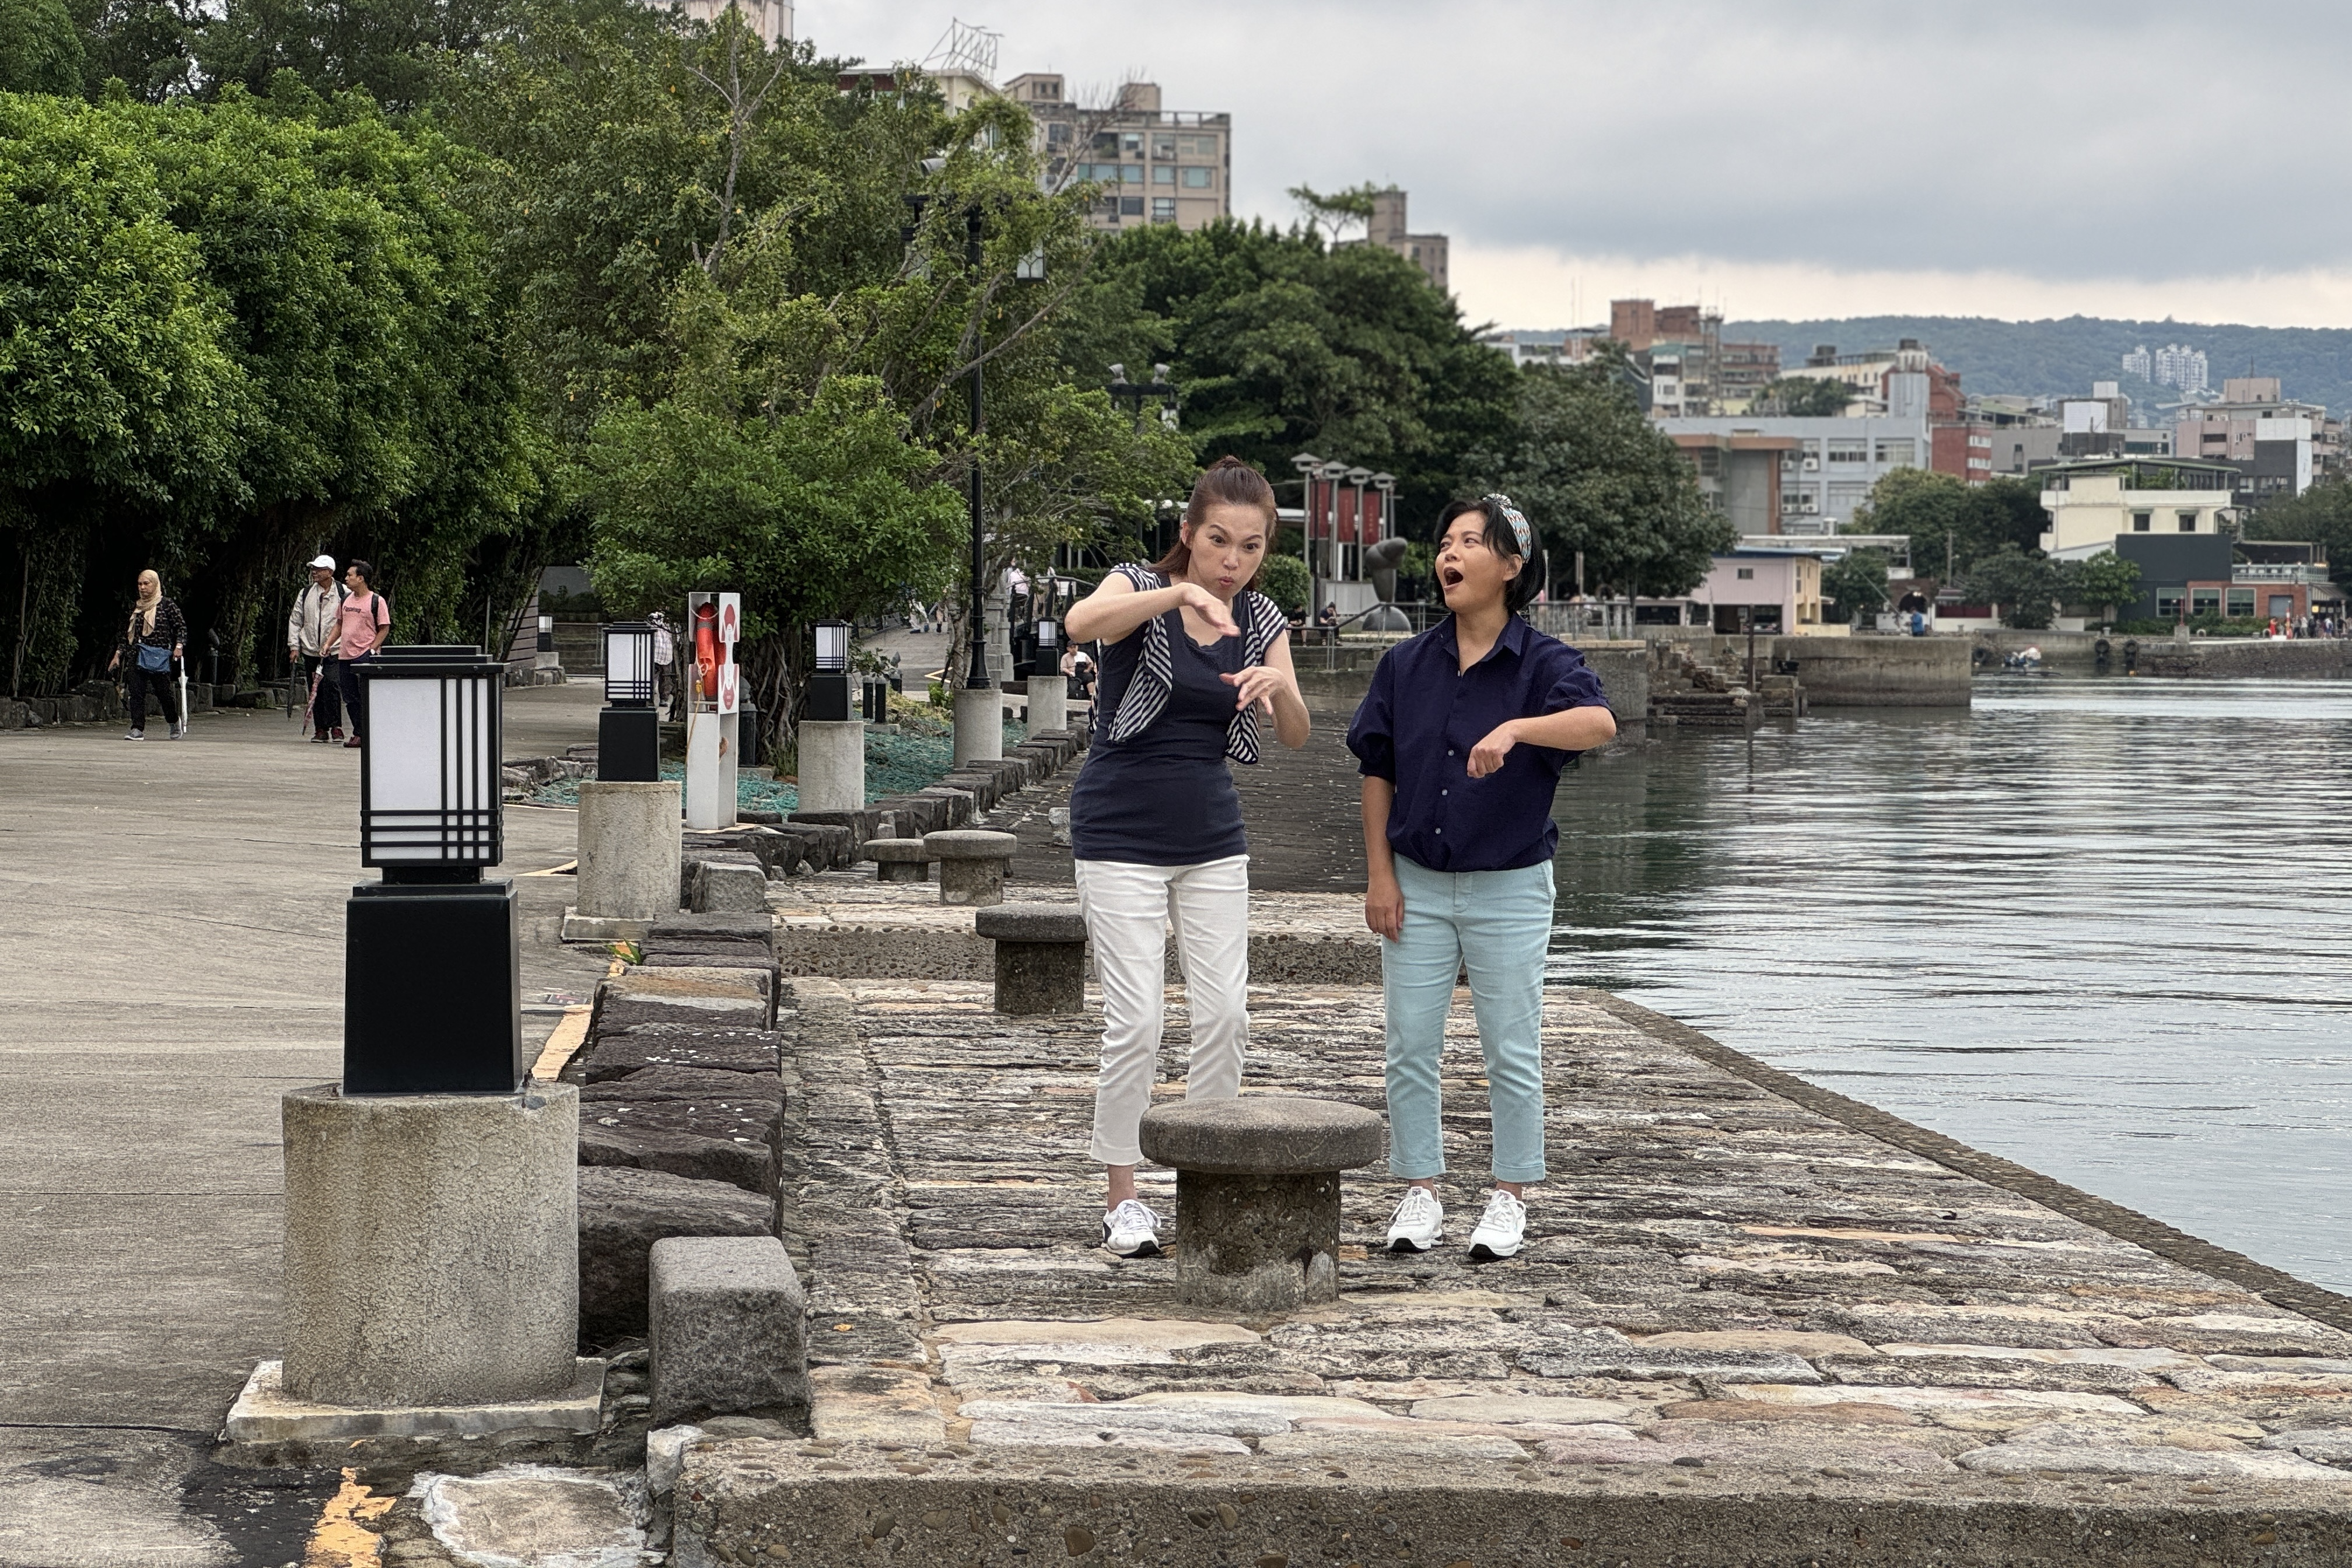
(2067, 355)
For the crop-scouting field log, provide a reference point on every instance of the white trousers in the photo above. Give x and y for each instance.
(1127, 908)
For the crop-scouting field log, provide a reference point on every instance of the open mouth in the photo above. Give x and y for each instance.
(1450, 578)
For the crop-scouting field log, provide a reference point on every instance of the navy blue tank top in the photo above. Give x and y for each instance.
(1164, 797)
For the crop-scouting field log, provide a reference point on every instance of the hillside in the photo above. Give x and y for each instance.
(2058, 356)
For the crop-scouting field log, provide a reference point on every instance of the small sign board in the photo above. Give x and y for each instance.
(731, 620)
(729, 688)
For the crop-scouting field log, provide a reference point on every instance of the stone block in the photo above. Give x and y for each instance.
(982, 787)
(864, 822)
(728, 1330)
(1041, 956)
(1262, 1135)
(629, 849)
(828, 846)
(1257, 1194)
(900, 859)
(723, 926)
(979, 724)
(832, 764)
(722, 998)
(430, 1246)
(623, 1212)
(702, 1123)
(973, 863)
(1049, 698)
(912, 816)
(264, 1414)
(620, 1052)
(728, 882)
(958, 803)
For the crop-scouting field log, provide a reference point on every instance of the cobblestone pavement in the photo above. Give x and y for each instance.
(1724, 1294)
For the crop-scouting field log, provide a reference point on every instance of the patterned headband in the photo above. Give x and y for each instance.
(1518, 523)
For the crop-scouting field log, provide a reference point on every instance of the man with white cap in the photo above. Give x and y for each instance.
(309, 631)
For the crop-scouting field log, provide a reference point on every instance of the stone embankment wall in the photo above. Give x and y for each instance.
(2211, 658)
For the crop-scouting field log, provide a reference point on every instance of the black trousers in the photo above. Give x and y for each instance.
(327, 708)
(167, 695)
(354, 695)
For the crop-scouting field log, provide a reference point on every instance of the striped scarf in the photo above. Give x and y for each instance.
(1147, 694)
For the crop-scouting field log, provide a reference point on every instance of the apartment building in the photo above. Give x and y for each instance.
(770, 21)
(1389, 230)
(1151, 164)
(2278, 444)
(2093, 503)
(1827, 465)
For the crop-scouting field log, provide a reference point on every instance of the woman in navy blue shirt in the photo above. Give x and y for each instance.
(1461, 740)
(1191, 658)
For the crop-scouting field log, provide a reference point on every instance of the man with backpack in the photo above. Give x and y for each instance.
(310, 633)
(361, 626)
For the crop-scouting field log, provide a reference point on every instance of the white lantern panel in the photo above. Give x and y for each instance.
(629, 663)
(832, 647)
(433, 772)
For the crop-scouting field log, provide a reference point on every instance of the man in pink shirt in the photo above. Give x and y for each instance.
(360, 626)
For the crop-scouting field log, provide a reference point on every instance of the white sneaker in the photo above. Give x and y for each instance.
(1419, 1223)
(1131, 1230)
(1501, 1229)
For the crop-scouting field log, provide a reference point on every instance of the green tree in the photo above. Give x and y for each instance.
(2024, 586)
(2321, 515)
(1283, 580)
(1857, 583)
(1806, 397)
(2005, 511)
(391, 49)
(1338, 211)
(1932, 511)
(2105, 580)
(1280, 345)
(148, 45)
(1595, 476)
(39, 49)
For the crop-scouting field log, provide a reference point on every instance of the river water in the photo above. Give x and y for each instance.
(2087, 924)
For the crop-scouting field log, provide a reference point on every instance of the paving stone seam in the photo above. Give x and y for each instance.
(2173, 1244)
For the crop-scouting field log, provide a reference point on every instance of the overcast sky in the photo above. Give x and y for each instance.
(1798, 159)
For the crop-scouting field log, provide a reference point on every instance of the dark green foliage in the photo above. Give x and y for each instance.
(1280, 345)
(1810, 396)
(1283, 580)
(149, 46)
(39, 49)
(1856, 584)
(2101, 584)
(2033, 358)
(1594, 475)
(2023, 585)
(1950, 524)
(391, 49)
(2321, 515)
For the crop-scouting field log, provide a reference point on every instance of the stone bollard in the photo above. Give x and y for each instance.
(1257, 1194)
(833, 764)
(432, 1247)
(1041, 956)
(728, 1330)
(900, 859)
(979, 724)
(973, 863)
(1049, 702)
(628, 847)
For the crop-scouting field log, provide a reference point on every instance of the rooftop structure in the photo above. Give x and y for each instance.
(2093, 502)
(1389, 229)
(1151, 164)
(770, 21)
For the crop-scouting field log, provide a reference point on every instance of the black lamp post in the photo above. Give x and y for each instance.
(828, 693)
(432, 989)
(1139, 393)
(628, 731)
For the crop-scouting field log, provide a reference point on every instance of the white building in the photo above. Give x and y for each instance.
(2092, 502)
(770, 20)
(1837, 458)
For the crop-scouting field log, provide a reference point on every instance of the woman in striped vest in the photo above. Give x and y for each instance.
(1192, 658)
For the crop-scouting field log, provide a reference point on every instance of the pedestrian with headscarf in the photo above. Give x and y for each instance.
(310, 632)
(156, 635)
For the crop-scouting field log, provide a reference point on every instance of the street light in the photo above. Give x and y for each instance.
(1331, 473)
(432, 998)
(829, 694)
(628, 731)
(1122, 390)
(1357, 476)
(1308, 466)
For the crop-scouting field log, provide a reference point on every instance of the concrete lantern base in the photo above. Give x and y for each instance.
(629, 837)
(263, 1413)
(601, 929)
(833, 764)
(1258, 1245)
(1049, 702)
(432, 1247)
(979, 725)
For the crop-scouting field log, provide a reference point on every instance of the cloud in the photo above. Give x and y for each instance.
(2105, 156)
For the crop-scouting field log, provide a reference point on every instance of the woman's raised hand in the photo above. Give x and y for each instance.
(1259, 684)
(1209, 607)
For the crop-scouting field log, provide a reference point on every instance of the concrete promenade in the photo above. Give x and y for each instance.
(173, 963)
(1755, 1324)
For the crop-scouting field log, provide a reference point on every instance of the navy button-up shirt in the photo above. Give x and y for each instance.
(1424, 715)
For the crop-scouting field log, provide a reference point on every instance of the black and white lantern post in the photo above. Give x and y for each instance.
(828, 692)
(628, 731)
(432, 990)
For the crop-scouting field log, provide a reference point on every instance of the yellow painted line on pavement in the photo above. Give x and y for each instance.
(341, 1539)
(569, 1033)
(567, 869)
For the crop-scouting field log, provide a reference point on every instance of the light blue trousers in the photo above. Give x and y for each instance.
(1497, 925)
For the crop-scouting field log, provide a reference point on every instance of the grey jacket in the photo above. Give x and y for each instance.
(313, 620)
